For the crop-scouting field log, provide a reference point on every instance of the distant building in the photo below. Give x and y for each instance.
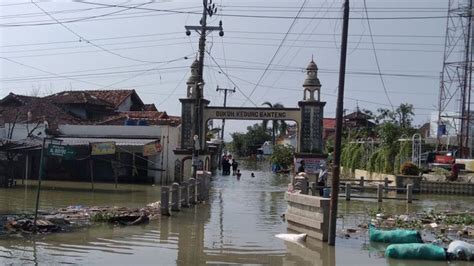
(79, 118)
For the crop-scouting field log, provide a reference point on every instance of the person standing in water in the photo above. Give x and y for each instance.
(301, 168)
(235, 165)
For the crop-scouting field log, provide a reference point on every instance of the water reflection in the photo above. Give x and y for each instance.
(236, 225)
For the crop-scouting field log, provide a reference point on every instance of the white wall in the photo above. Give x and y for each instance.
(111, 131)
(167, 135)
(20, 131)
(125, 105)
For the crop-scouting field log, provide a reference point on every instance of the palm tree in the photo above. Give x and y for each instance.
(277, 125)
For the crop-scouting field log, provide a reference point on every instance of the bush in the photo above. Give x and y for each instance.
(282, 155)
(408, 168)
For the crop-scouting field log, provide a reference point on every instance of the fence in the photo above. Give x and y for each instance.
(302, 185)
(456, 188)
(185, 194)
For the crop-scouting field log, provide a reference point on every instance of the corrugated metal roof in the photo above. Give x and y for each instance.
(118, 142)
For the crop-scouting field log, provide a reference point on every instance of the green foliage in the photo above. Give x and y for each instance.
(244, 143)
(282, 155)
(381, 160)
(440, 171)
(404, 154)
(408, 168)
(102, 217)
(352, 156)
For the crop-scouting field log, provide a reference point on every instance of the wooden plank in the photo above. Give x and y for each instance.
(303, 221)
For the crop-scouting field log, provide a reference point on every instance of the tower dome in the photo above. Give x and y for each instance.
(194, 73)
(311, 83)
(312, 75)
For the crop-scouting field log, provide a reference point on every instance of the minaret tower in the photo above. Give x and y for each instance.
(311, 135)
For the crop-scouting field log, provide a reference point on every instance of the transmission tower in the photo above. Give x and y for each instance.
(455, 81)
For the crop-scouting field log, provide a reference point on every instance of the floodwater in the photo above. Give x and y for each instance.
(236, 226)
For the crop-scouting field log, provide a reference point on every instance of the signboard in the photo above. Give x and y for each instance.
(151, 148)
(252, 113)
(65, 152)
(102, 148)
(311, 165)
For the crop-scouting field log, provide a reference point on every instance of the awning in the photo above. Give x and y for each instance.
(118, 142)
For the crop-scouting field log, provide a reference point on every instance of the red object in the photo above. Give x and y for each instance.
(445, 159)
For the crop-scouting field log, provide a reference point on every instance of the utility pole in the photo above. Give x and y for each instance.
(208, 9)
(337, 144)
(225, 104)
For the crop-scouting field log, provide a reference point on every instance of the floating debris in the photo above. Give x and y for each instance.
(76, 216)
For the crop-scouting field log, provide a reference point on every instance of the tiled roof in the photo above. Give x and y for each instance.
(40, 109)
(77, 97)
(357, 115)
(115, 97)
(151, 117)
(329, 123)
(150, 107)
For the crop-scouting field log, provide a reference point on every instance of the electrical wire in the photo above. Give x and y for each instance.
(228, 77)
(376, 57)
(92, 43)
(277, 50)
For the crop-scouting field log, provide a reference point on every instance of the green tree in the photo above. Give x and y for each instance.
(278, 126)
(282, 155)
(242, 143)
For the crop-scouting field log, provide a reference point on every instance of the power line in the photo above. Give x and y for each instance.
(48, 72)
(375, 55)
(228, 77)
(246, 32)
(277, 50)
(91, 43)
(270, 17)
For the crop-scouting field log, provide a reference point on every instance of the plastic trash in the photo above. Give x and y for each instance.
(292, 237)
(397, 236)
(460, 250)
(415, 251)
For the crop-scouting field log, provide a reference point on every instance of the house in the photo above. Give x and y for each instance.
(358, 119)
(291, 137)
(80, 119)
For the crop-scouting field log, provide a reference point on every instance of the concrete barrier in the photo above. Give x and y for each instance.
(175, 198)
(165, 201)
(192, 191)
(184, 194)
(308, 214)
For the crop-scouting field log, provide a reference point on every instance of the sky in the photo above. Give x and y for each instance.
(52, 46)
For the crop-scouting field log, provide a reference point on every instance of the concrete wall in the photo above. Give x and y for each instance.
(20, 131)
(308, 214)
(367, 175)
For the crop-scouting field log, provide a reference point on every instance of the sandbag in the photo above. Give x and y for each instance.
(415, 251)
(460, 250)
(397, 236)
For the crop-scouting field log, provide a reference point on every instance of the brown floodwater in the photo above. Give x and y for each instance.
(236, 226)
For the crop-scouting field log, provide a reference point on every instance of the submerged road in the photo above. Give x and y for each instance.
(237, 225)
